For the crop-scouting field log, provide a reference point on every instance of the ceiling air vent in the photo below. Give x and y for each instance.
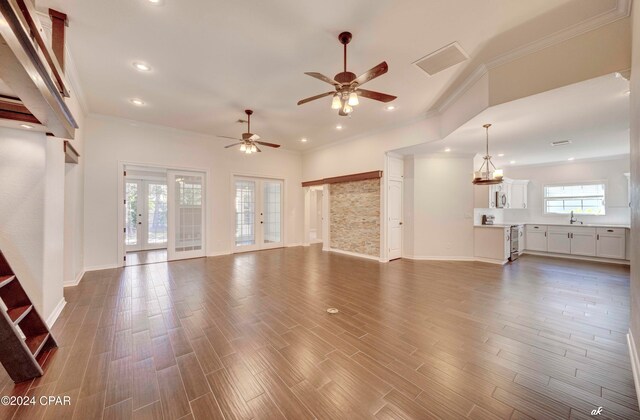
(560, 143)
(442, 59)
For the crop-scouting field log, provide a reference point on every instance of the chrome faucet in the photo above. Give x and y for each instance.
(573, 219)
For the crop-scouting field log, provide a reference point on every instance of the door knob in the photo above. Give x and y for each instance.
(400, 223)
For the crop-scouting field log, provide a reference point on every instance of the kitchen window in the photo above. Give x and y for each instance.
(584, 198)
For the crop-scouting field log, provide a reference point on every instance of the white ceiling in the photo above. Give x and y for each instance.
(212, 58)
(593, 114)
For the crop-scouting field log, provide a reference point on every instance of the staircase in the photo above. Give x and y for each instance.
(24, 336)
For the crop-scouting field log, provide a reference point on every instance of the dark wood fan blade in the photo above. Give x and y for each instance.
(324, 78)
(258, 149)
(382, 97)
(231, 145)
(227, 137)
(313, 98)
(378, 70)
(268, 144)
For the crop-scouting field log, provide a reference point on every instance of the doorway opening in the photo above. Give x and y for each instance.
(258, 208)
(164, 215)
(315, 215)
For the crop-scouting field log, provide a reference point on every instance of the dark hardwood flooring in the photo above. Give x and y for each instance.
(146, 257)
(247, 336)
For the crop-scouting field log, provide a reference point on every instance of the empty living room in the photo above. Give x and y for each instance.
(361, 209)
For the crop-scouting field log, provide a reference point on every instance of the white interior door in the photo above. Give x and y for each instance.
(395, 219)
(258, 207)
(186, 210)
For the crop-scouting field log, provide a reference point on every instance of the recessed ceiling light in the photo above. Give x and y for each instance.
(571, 158)
(628, 93)
(500, 154)
(137, 102)
(142, 67)
(448, 149)
(338, 127)
(156, 2)
(27, 126)
(512, 162)
(303, 140)
(390, 107)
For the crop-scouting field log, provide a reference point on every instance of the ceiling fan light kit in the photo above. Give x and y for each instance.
(249, 141)
(488, 174)
(347, 86)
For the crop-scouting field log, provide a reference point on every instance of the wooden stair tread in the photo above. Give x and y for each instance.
(36, 342)
(4, 280)
(16, 314)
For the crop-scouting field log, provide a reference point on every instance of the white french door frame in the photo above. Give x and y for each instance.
(232, 213)
(173, 253)
(121, 249)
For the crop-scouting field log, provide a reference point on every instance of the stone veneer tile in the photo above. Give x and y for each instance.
(354, 213)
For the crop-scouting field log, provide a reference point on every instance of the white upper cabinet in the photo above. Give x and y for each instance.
(517, 194)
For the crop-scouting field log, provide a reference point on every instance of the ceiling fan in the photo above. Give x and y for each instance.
(347, 85)
(249, 141)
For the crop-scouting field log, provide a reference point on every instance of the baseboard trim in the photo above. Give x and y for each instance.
(219, 254)
(56, 313)
(294, 244)
(75, 282)
(354, 254)
(101, 267)
(490, 261)
(437, 258)
(576, 257)
(635, 363)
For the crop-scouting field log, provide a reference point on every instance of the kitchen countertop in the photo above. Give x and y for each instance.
(597, 225)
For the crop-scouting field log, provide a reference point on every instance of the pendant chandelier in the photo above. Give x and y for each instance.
(488, 174)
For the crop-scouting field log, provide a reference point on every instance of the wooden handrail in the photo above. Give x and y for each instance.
(28, 13)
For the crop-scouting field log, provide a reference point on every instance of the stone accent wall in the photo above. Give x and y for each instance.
(354, 213)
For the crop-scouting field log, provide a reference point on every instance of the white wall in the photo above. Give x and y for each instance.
(109, 141)
(442, 219)
(32, 214)
(22, 171)
(612, 171)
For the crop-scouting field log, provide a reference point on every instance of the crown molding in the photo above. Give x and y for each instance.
(621, 11)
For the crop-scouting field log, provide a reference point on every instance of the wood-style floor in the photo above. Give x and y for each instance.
(247, 336)
(146, 257)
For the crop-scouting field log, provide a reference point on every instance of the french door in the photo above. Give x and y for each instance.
(186, 237)
(258, 205)
(145, 215)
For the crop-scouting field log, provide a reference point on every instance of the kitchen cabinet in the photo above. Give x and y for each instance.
(583, 241)
(517, 194)
(610, 243)
(536, 238)
(559, 240)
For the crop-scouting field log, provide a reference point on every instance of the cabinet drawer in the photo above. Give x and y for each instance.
(611, 231)
(536, 228)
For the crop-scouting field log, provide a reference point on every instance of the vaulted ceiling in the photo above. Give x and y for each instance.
(211, 59)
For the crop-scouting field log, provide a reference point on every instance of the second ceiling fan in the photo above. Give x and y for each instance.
(347, 85)
(249, 141)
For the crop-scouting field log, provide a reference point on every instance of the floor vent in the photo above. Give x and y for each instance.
(442, 59)
(560, 143)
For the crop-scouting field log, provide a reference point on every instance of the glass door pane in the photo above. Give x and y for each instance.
(156, 214)
(186, 209)
(132, 217)
(272, 212)
(245, 206)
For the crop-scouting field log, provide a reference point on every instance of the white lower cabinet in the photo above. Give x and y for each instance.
(577, 240)
(559, 240)
(583, 241)
(610, 243)
(536, 238)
